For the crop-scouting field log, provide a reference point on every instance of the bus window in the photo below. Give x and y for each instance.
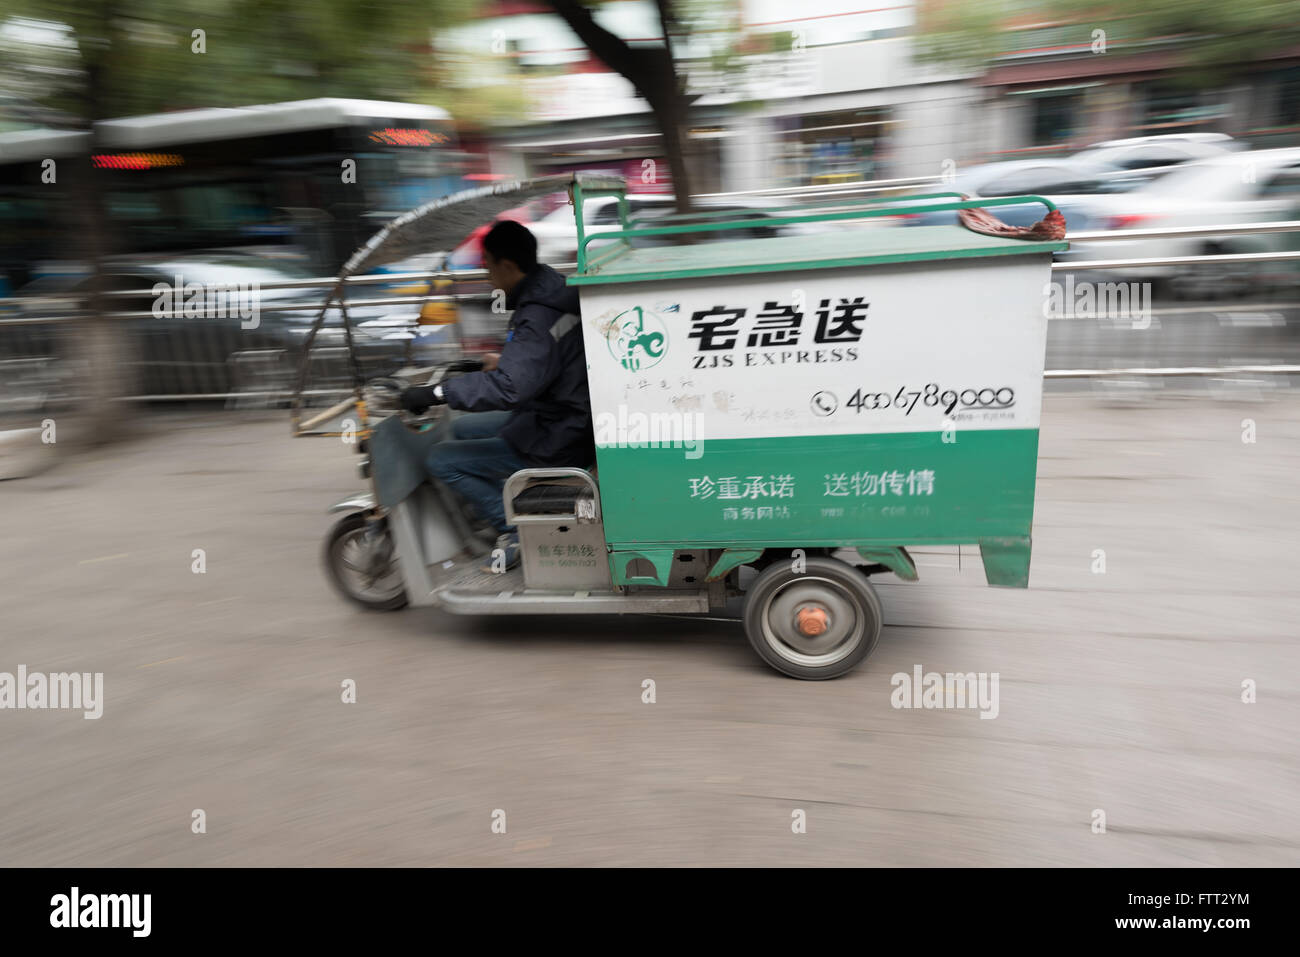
(269, 174)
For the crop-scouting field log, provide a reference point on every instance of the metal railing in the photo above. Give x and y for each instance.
(470, 275)
(255, 386)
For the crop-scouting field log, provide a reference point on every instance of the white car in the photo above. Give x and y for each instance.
(1073, 186)
(1243, 187)
(557, 233)
(1148, 152)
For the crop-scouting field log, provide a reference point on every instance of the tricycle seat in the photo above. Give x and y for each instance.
(549, 499)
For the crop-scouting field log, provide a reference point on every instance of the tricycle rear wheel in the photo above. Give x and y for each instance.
(816, 622)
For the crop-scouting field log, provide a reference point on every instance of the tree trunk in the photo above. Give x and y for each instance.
(672, 109)
(654, 75)
(101, 342)
(672, 113)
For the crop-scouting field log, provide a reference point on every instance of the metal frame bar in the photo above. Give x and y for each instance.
(1087, 264)
(630, 230)
(764, 216)
(1184, 232)
(1169, 371)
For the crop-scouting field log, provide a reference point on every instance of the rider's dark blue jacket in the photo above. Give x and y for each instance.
(541, 377)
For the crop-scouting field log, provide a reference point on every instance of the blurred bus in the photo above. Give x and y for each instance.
(36, 223)
(314, 178)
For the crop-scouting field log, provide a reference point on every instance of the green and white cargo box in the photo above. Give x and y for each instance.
(873, 388)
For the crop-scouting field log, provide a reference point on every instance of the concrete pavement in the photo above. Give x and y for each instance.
(1120, 690)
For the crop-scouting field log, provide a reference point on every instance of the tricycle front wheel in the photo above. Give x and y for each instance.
(362, 563)
(814, 618)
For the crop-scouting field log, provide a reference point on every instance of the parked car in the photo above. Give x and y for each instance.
(1239, 187)
(1147, 152)
(1074, 186)
(238, 350)
(469, 254)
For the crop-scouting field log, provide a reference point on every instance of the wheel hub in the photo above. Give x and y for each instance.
(367, 559)
(812, 620)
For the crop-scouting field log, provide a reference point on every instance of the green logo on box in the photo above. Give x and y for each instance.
(637, 339)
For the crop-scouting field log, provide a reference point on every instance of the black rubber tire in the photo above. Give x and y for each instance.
(343, 528)
(845, 581)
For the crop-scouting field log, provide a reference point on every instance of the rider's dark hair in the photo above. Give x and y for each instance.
(511, 240)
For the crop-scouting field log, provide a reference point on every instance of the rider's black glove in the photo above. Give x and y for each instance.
(417, 399)
(466, 365)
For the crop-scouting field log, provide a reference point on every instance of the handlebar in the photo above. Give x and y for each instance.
(385, 390)
(465, 365)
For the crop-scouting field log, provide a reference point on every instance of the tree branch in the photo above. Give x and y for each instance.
(645, 69)
(653, 74)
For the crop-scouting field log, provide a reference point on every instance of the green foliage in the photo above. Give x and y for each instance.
(962, 33)
(1213, 39)
(480, 105)
(140, 56)
(1217, 34)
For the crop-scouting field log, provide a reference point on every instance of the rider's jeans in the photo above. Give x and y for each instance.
(478, 425)
(475, 461)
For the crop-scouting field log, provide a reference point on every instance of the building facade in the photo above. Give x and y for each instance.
(831, 91)
(834, 94)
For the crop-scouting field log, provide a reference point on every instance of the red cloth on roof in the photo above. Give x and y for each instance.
(1050, 227)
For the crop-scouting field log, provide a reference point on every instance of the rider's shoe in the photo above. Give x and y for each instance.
(505, 557)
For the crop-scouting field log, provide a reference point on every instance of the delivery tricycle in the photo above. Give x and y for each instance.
(776, 419)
